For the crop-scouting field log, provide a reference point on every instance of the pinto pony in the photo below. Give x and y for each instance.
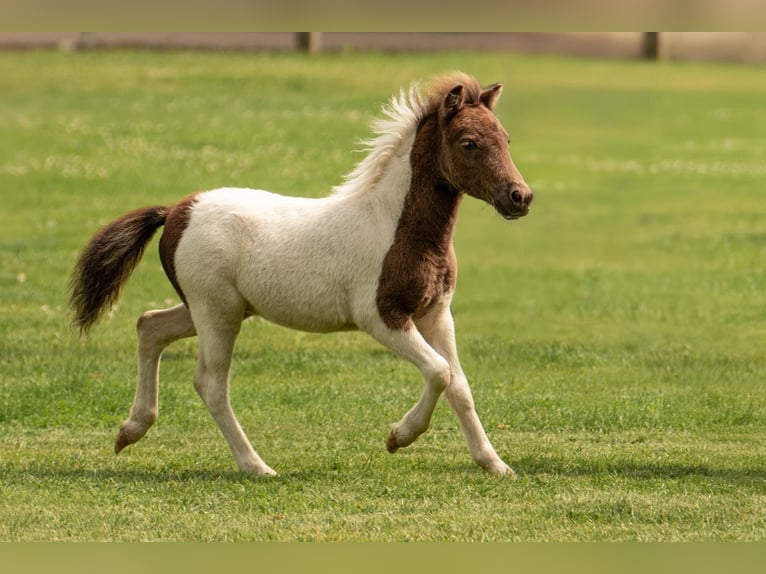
(374, 255)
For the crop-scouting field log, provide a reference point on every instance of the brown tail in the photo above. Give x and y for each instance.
(108, 260)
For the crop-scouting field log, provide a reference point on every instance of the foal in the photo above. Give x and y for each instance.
(375, 255)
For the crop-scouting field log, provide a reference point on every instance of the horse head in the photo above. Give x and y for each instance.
(474, 150)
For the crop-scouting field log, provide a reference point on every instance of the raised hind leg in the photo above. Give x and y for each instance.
(156, 330)
(438, 329)
(217, 329)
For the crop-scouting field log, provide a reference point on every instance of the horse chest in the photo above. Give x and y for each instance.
(411, 282)
(420, 266)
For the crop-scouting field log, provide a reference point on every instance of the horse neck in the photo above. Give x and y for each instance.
(431, 204)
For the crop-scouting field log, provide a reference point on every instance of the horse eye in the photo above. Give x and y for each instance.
(468, 145)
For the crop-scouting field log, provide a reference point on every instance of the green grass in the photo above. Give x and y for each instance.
(614, 338)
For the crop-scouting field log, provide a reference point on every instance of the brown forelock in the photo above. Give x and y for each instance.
(420, 266)
(176, 223)
(440, 86)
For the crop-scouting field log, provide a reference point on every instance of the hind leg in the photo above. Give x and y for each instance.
(217, 329)
(156, 330)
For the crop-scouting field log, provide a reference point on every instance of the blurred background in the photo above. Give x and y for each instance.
(747, 47)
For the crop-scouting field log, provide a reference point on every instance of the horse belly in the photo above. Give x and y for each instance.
(298, 304)
(314, 285)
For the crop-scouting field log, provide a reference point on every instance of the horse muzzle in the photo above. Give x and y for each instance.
(513, 201)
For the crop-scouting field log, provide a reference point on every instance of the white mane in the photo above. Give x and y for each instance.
(393, 130)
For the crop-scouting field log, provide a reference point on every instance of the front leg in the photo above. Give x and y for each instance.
(438, 328)
(408, 343)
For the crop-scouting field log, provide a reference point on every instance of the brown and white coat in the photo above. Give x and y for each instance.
(375, 255)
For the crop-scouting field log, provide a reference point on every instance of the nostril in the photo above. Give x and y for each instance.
(516, 197)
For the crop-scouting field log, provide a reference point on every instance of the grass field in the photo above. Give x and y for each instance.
(614, 338)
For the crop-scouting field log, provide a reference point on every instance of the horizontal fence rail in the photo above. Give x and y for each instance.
(747, 47)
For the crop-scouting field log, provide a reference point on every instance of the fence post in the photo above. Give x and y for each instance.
(651, 46)
(73, 43)
(310, 42)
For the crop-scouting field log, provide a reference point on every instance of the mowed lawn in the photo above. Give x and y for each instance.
(615, 338)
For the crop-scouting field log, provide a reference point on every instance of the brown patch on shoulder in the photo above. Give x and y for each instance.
(420, 266)
(176, 223)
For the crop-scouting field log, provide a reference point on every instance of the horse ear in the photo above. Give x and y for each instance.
(490, 96)
(454, 100)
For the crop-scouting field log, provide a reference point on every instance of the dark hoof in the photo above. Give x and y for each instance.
(391, 445)
(121, 441)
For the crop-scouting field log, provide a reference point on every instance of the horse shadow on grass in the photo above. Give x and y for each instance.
(529, 469)
(170, 474)
(128, 475)
(549, 467)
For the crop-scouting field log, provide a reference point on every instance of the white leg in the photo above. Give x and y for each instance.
(211, 380)
(409, 344)
(438, 328)
(156, 330)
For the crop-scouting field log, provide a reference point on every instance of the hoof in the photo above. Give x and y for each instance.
(262, 470)
(501, 469)
(391, 445)
(121, 441)
(267, 473)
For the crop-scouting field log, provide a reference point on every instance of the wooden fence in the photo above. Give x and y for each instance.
(711, 46)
